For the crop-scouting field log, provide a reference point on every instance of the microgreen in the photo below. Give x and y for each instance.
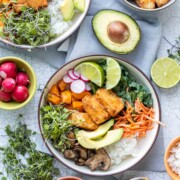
(30, 27)
(56, 125)
(37, 165)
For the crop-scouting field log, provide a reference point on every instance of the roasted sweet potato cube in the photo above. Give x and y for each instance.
(21, 1)
(18, 7)
(44, 3)
(53, 99)
(61, 85)
(78, 105)
(66, 96)
(80, 96)
(54, 90)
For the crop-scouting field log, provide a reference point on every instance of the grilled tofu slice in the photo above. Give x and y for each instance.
(83, 120)
(95, 110)
(161, 3)
(146, 4)
(111, 102)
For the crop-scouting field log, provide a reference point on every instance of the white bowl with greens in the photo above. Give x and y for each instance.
(131, 86)
(32, 25)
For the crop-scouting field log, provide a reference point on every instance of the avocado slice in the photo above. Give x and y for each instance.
(117, 31)
(67, 9)
(111, 137)
(99, 132)
(79, 5)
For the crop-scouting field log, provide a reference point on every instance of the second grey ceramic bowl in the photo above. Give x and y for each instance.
(133, 5)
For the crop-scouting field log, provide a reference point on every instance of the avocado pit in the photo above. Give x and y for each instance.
(118, 32)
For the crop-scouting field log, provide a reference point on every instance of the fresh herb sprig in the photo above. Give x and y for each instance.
(30, 27)
(37, 165)
(56, 125)
(174, 51)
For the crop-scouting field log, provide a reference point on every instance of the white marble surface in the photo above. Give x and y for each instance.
(170, 98)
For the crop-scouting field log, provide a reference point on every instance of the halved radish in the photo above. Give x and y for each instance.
(84, 78)
(77, 86)
(78, 75)
(87, 87)
(67, 79)
(71, 75)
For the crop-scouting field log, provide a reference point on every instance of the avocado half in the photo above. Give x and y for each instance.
(117, 31)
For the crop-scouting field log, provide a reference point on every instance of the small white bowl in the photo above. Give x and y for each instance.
(145, 144)
(136, 7)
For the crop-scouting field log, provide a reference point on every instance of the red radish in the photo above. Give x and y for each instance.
(22, 79)
(8, 85)
(71, 75)
(84, 78)
(0, 81)
(77, 86)
(87, 87)
(20, 93)
(4, 96)
(67, 79)
(76, 74)
(8, 69)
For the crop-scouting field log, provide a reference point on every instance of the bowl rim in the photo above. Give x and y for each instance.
(166, 156)
(100, 56)
(149, 10)
(54, 42)
(20, 105)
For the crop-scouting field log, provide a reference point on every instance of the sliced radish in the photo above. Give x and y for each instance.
(71, 75)
(76, 74)
(67, 79)
(84, 78)
(77, 86)
(87, 87)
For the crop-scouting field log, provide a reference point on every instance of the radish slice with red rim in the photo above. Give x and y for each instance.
(87, 87)
(78, 75)
(71, 75)
(77, 86)
(84, 78)
(67, 79)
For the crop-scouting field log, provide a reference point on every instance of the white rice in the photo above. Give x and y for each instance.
(126, 147)
(174, 159)
(58, 25)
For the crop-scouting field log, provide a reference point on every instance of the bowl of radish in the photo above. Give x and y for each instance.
(17, 83)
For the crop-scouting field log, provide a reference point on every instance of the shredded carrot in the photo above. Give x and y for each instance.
(137, 120)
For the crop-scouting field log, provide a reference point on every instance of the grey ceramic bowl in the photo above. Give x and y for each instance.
(76, 22)
(144, 144)
(133, 5)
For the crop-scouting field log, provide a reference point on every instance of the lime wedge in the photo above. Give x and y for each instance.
(165, 72)
(113, 73)
(92, 71)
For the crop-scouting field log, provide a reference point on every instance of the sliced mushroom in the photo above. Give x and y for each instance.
(101, 160)
(69, 154)
(79, 161)
(91, 153)
(71, 138)
(81, 152)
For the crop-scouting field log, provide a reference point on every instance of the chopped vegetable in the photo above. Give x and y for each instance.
(61, 85)
(77, 86)
(54, 90)
(136, 121)
(66, 96)
(78, 105)
(53, 99)
(67, 79)
(71, 74)
(56, 125)
(21, 159)
(80, 96)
